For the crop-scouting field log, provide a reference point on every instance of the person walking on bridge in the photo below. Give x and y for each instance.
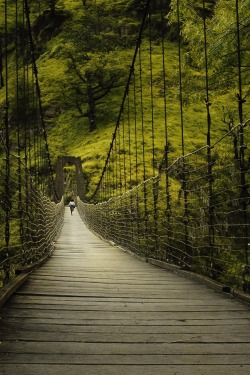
(72, 206)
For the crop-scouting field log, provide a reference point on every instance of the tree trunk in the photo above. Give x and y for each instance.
(91, 109)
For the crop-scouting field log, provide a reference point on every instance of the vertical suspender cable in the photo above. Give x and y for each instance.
(184, 177)
(29, 121)
(7, 153)
(113, 170)
(129, 143)
(136, 156)
(26, 135)
(115, 162)
(164, 78)
(109, 191)
(243, 169)
(27, 12)
(155, 188)
(34, 129)
(142, 116)
(124, 150)
(125, 93)
(152, 94)
(180, 81)
(20, 199)
(211, 233)
(135, 130)
(119, 154)
(145, 197)
(166, 151)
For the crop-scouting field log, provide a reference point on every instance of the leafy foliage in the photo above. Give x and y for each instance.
(84, 51)
(223, 44)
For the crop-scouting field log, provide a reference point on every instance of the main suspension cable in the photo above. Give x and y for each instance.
(211, 232)
(243, 168)
(7, 203)
(124, 97)
(32, 47)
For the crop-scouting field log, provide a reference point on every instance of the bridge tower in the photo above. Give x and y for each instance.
(59, 181)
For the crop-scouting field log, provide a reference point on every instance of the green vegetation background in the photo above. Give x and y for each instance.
(75, 40)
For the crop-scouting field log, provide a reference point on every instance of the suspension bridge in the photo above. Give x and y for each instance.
(151, 272)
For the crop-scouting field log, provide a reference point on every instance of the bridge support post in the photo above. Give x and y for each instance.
(59, 181)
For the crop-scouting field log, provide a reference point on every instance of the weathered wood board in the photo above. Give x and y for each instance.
(93, 309)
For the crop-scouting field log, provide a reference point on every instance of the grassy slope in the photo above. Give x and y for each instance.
(68, 135)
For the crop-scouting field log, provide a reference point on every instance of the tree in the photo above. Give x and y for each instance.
(94, 63)
(91, 82)
(223, 41)
(97, 30)
(221, 36)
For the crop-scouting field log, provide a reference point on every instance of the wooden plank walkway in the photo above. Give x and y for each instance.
(93, 309)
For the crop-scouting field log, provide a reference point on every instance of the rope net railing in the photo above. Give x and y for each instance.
(30, 223)
(175, 184)
(153, 224)
(29, 219)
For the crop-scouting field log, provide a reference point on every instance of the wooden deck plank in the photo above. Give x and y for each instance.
(92, 337)
(93, 309)
(127, 315)
(123, 348)
(147, 302)
(120, 306)
(127, 329)
(133, 359)
(150, 369)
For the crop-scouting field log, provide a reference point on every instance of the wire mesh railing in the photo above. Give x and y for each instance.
(183, 99)
(154, 224)
(29, 222)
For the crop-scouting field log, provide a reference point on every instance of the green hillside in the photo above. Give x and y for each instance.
(84, 51)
